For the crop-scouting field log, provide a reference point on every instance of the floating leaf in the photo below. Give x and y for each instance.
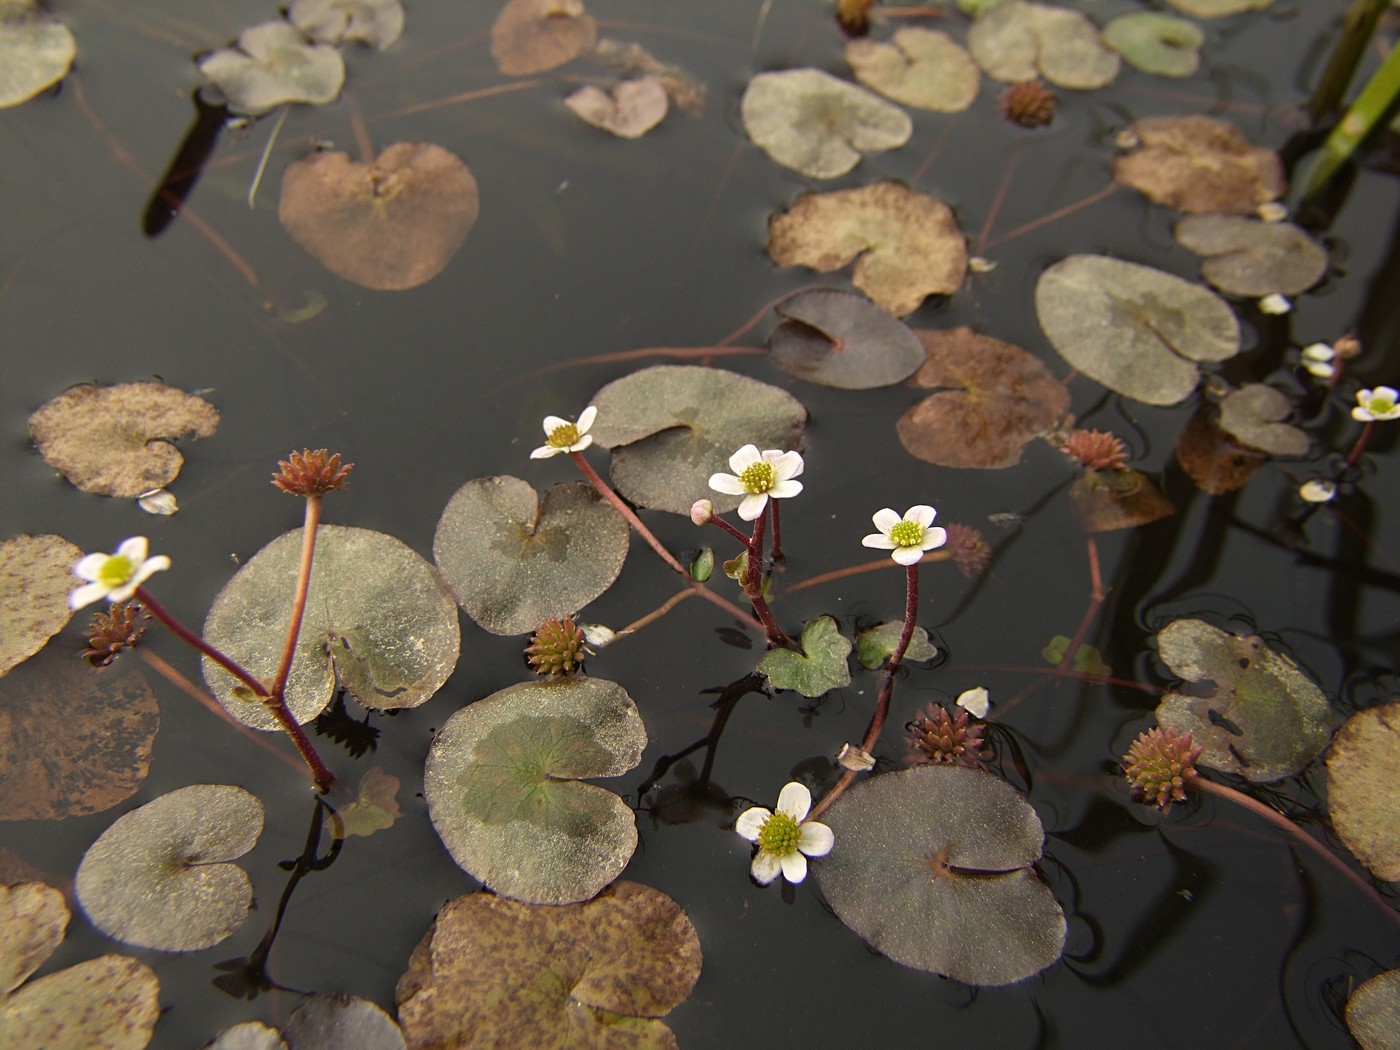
(1253, 258)
(35, 51)
(878, 644)
(819, 668)
(933, 867)
(906, 244)
(342, 1022)
(116, 440)
(375, 808)
(919, 67)
(532, 36)
(843, 340)
(503, 790)
(1218, 8)
(1252, 414)
(1216, 462)
(1156, 43)
(1262, 717)
(36, 574)
(1373, 1012)
(158, 877)
(390, 225)
(671, 426)
(1016, 41)
(996, 399)
(817, 124)
(248, 1035)
(107, 1003)
(1104, 500)
(1362, 768)
(77, 740)
(1087, 659)
(514, 559)
(1134, 329)
(377, 23)
(272, 66)
(1199, 164)
(629, 111)
(377, 619)
(492, 972)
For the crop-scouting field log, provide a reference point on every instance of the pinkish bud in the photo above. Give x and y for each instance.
(701, 511)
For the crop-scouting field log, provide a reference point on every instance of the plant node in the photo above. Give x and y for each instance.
(970, 550)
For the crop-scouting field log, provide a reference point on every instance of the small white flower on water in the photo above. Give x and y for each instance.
(1318, 490)
(115, 576)
(856, 759)
(758, 475)
(1271, 211)
(563, 436)
(785, 836)
(1373, 406)
(1275, 304)
(906, 538)
(1317, 359)
(974, 701)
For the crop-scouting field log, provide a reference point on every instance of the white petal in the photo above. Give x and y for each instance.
(86, 595)
(794, 800)
(907, 555)
(147, 569)
(787, 465)
(1318, 352)
(933, 538)
(1361, 415)
(123, 592)
(586, 418)
(581, 444)
(886, 519)
(751, 822)
(90, 566)
(752, 505)
(728, 484)
(765, 867)
(923, 514)
(545, 451)
(1318, 490)
(817, 839)
(785, 489)
(794, 866)
(1387, 392)
(158, 501)
(1320, 369)
(553, 423)
(974, 701)
(744, 458)
(878, 539)
(135, 548)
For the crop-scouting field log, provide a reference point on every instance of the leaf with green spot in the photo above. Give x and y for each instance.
(376, 806)
(819, 668)
(876, 645)
(1086, 658)
(1156, 43)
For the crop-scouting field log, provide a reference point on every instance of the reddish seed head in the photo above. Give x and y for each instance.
(556, 648)
(121, 627)
(1096, 449)
(969, 549)
(1030, 104)
(311, 473)
(1160, 764)
(936, 737)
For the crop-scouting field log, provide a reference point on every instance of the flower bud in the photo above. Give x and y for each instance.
(701, 511)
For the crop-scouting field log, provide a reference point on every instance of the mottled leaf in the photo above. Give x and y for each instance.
(1016, 41)
(532, 36)
(820, 666)
(377, 23)
(1104, 500)
(1373, 1012)
(919, 67)
(1252, 416)
(35, 51)
(878, 644)
(376, 805)
(342, 1022)
(1362, 769)
(32, 920)
(273, 65)
(36, 574)
(1199, 164)
(1156, 43)
(1215, 461)
(1252, 258)
(843, 340)
(629, 110)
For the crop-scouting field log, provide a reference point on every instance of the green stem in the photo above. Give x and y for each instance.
(1357, 28)
(1376, 102)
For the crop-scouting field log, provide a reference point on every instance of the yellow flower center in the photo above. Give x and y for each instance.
(1379, 406)
(116, 571)
(907, 533)
(563, 436)
(780, 834)
(758, 477)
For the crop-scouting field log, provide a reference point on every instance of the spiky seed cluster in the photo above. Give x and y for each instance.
(121, 627)
(1096, 449)
(1159, 764)
(1030, 104)
(556, 648)
(969, 548)
(311, 473)
(938, 738)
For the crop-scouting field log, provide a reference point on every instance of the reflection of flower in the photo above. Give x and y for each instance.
(783, 837)
(906, 538)
(970, 550)
(1376, 405)
(758, 475)
(563, 436)
(1159, 764)
(115, 576)
(1096, 449)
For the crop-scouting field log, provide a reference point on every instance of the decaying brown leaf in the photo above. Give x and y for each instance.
(1199, 164)
(1362, 768)
(36, 574)
(1104, 500)
(532, 36)
(1212, 459)
(629, 110)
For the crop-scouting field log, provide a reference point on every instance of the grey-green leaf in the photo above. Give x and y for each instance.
(377, 23)
(1016, 41)
(1248, 257)
(819, 668)
(1253, 415)
(1156, 43)
(876, 645)
(272, 66)
(919, 67)
(843, 340)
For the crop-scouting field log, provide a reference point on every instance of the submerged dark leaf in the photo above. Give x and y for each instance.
(843, 340)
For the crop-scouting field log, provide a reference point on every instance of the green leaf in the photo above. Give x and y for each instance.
(820, 667)
(1218, 8)
(1156, 43)
(876, 645)
(1086, 658)
(376, 806)
(1016, 41)
(703, 565)
(272, 66)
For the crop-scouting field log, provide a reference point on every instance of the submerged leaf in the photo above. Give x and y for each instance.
(817, 124)
(878, 644)
(1087, 658)
(532, 36)
(933, 866)
(342, 1022)
(35, 51)
(1252, 414)
(158, 877)
(1373, 1012)
(1016, 41)
(1216, 462)
(1156, 43)
(1262, 718)
(272, 66)
(843, 340)
(375, 808)
(918, 67)
(1362, 768)
(819, 668)
(1121, 498)
(629, 111)
(390, 225)
(377, 23)
(1199, 164)
(117, 440)
(36, 574)
(906, 244)
(1253, 258)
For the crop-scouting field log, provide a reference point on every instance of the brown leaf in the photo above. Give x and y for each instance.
(1212, 459)
(532, 36)
(36, 574)
(1198, 164)
(629, 111)
(1362, 766)
(1104, 500)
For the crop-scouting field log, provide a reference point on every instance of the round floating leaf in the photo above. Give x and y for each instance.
(377, 620)
(906, 244)
(377, 23)
(503, 791)
(514, 559)
(932, 867)
(1216, 462)
(995, 399)
(843, 340)
(1373, 1012)
(1156, 43)
(1253, 258)
(390, 225)
(1262, 718)
(248, 1035)
(878, 644)
(493, 972)
(1016, 41)
(32, 920)
(272, 66)
(670, 427)
(819, 668)
(158, 877)
(1218, 8)
(78, 740)
(36, 574)
(532, 36)
(1251, 415)
(629, 111)
(919, 67)
(1362, 769)
(1104, 500)
(116, 440)
(1134, 329)
(342, 1022)
(35, 51)
(816, 124)
(1198, 164)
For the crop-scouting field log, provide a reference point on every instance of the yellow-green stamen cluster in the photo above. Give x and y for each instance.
(758, 477)
(780, 834)
(1379, 406)
(115, 571)
(907, 533)
(563, 436)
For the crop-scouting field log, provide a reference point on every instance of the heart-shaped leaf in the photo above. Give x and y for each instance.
(35, 51)
(1156, 43)
(272, 66)
(1122, 498)
(1199, 164)
(1215, 461)
(532, 36)
(919, 67)
(878, 644)
(843, 340)
(1252, 416)
(390, 225)
(629, 111)
(1361, 796)
(377, 23)
(819, 668)
(36, 574)
(1016, 41)
(514, 559)
(1253, 258)
(503, 788)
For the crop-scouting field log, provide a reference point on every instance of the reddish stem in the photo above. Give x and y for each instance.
(1362, 440)
(753, 586)
(777, 544)
(308, 550)
(1096, 599)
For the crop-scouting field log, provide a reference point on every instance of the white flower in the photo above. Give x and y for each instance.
(1318, 490)
(1271, 211)
(563, 436)
(1275, 304)
(1317, 359)
(906, 538)
(783, 837)
(974, 701)
(115, 576)
(757, 476)
(1376, 405)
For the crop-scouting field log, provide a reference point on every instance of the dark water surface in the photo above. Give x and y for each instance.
(1206, 928)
